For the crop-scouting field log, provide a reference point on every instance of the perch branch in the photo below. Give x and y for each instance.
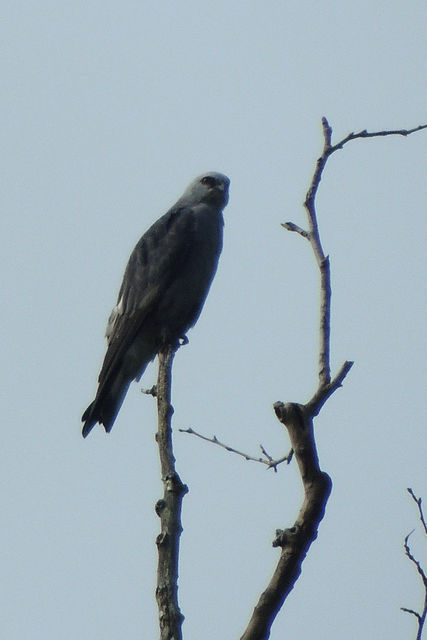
(168, 508)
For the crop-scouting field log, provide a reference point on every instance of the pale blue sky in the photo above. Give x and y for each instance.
(108, 111)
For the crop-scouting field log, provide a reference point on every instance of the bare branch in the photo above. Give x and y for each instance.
(322, 261)
(414, 613)
(411, 557)
(268, 460)
(273, 464)
(298, 419)
(313, 234)
(374, 134)
(324, 392)
(325, 321)
(296, 541)
(421, 617)
(291, 226)
(420, 509)
(168, 508)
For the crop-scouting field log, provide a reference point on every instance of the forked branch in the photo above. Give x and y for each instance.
(298, 418)
(295, 541)
(264, 459)
(420, 617)
(312, 234)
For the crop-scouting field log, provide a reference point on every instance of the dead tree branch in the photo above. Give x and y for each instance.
(168, 508)
(298, 418)
(419, 502)
(420, 617)
(295, 541)
(267, 459)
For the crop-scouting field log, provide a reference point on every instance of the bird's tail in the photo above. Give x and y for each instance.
(89, 420)
(106, 406)
(114, 383)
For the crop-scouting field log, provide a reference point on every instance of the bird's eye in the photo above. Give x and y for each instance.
(209, 181)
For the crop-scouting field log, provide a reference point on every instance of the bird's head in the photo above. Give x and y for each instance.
(210, 188)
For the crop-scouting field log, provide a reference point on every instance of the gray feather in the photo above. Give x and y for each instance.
(164, 287)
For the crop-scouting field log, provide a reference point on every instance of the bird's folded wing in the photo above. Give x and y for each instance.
(155, 261)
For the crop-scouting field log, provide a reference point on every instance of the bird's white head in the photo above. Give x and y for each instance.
(210, 188)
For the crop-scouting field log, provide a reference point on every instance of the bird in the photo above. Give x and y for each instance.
(164, 288)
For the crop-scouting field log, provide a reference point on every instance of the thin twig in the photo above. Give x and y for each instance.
(315, 404)
(291, 226)
(274, 463)
(414, 613)
(268, 460)
(420, 508)
(150, 392)
(375, 134)
(411, 557)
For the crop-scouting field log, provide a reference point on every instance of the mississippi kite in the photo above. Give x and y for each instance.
(163, 291)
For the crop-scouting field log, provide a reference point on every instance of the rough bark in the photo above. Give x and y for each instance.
(168, 508)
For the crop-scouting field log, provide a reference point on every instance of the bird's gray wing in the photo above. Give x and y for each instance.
(153, 264)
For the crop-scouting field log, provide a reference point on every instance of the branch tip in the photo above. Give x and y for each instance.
(327, 132)
(291, 226)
